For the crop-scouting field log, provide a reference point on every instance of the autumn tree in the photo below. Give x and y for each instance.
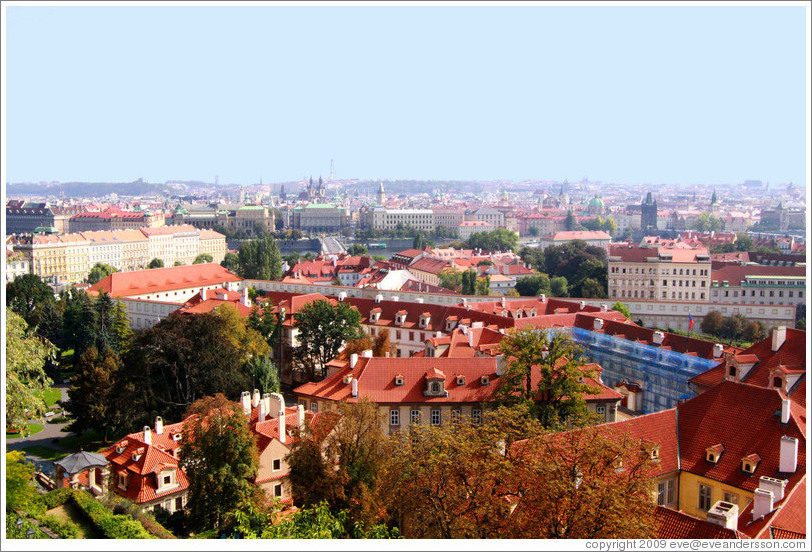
(20, 489)
(26, 380)
(544, 370)
(220, 460)
(483, 285)
(323, 327)
(712, 322)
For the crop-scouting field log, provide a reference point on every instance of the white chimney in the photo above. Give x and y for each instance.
(788, 455)
(419, 300)
(464, 301)
(779, 336)
(244, 298)
(277, 403)
(438, 333)
(718, 349)
(725, 514)
(542, 298)
(762, 503)
(282, 427)
(354, 387)
(300, 417)
(203, 294)
(255, 398)
(353, 360)
(604, 307)
(658, 337)
(245, 399)
(378, 298)
(159, 426)
(581, 305)
(775, 486)
(598, 323)
(367, 353)
(471, 339)
(342, 296)
(147, 435)
(785, 408)
(503, 302)
(262, 412)
(395, 298)
(266, 400)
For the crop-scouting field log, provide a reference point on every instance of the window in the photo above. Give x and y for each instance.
(394, 417)
(733, 498)
(662, 493)
(777, 382)
(277, 464)
(314, 406)
(704, 497)
(415, 416)
(167, 480)
(672, 491)
(455, 416)
(733, 371)
(122, 481)
(277, 490)
(435, 387)
(435, 417)
(476, 416)
(601, 410)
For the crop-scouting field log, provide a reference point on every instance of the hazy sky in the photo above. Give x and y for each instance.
(658, 94)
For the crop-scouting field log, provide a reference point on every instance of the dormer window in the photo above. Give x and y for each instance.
(533, 312)
(732, 371)
(176, 436)
(399, 380)
(778, 382)
(400, 318)
(435, 384)
(461, 381)
(450, 323)
(750, 463)
(435, 388)
(374, 316)
(712, 454)
(485, 380)
(347, 379)
(424, 320)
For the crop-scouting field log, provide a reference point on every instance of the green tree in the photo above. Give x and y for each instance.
(26, 380)
(263, 374)
(743, 242)
(591, 288)
(754, 331)
(712, 322)
(260, 259)
(545, 371)
(323, 327)
(28, 296)
(156, 263)
(622, 309)
(800, 317)
(100, 271)
(533, 231)
(357, 249)
(733, 327)
(570, 223)
(483, 285)
(534, 257)
(92, 401)
(501, 239)
(558, 286)
(533, 285)
(469, 282)
(220, 460)
(20, 489)
(203, 258)
(451, 278)
(231, 261)
(707, 222)
(177, 263)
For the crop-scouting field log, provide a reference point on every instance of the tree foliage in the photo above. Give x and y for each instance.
(559, 286)
(707, 222)
(203, 258)
(534, 285)
(20, 490)
(483, 285)
(156, 263)
(712, 322)
(220, 460)
(100, 271)
(260, 259)
(468, 282)
(323, 327)
(92, 400)
(28, 296)
(451, 278)
(26, 380)
(231, 261)
(501, 239)
(622, 309)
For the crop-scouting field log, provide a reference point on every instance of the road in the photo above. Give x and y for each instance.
(331, 246)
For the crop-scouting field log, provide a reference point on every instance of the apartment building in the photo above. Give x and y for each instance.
(658, 270)
(212, 243)
(448, 218)
(318, 217)
(114, 219)
(597, 238)
(56, 258)
(379, 218)
(759, 285)
(24, 217)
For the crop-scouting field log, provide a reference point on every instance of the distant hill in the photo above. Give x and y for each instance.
(88, 189)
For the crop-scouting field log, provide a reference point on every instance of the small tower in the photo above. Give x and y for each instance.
(648, 213)
(381, 194)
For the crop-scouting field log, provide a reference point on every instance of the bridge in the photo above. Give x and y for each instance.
(331, 245)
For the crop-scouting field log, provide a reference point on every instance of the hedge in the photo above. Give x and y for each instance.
(111, 525)
(65, 529)
(55, 498)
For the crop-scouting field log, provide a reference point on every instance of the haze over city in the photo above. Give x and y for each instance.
(643, 94)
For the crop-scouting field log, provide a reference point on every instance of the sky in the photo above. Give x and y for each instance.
(662, 94)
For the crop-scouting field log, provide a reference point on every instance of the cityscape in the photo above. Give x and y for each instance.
(267, 339)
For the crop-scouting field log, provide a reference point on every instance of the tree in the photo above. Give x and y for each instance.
(469, 282)
(707, 222)
(451, 278)
(231, 261)
(100, 271)
(558, 286)
(156, 263)
(570, 222)
(260, 259)
(532, 286)
(177, 263)
(382, 345)
(591, 288)
(220, 460)
(28, 296)
(800, 317)
(545, 371)
(20, 490)
(263, 374)
(712, 322)
(203, 258)
(733, 327)
(26, 380)
(622, 309)
(341, 466)
(483, 285)
(263, 320)
(357, 249)
(534, 257)
(743, 242)
(533, 231)
(91, 398)
(753, 331)
(501, 239)
(323, 327)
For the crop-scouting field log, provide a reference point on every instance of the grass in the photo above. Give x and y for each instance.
(69, 512)
(44, 452)
(32, 429)
(91, 441)
(51, 396)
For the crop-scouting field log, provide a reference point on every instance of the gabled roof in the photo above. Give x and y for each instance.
(140, 282)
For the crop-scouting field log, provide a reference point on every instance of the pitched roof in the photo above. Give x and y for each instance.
(672, 524)
(140, 282)
(735, 274)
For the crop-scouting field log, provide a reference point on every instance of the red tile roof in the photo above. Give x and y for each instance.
(141, 282)
(735, 274)
(673, 524)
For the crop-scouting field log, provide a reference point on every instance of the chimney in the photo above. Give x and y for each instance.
(277, 403)
(503, 302)
(775, 486)
(604, 307)
(245, 400)
(353, 360)
(244, 298)
(395, 298)
(471, 339)
(581, 305)
(785, 407)
(718, 349)
(261, 413)
(255, 398)
(378, 298)
(203, 294)
(724, 514)
(788, 455)
(779, 336)
(342, 296)
(420, 300)
(159, 426)
(438, 333)
(658, 337)
(300, 417)
(354, 384)
(542, 298)
(598, 323)
(147, 435)
(266, 399)
(501, 365)
(282, 427)
(367, 353)
(762, 503)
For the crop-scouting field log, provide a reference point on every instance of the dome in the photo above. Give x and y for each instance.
(596, 202)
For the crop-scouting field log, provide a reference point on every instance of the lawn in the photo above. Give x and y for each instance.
(69, 512)
(44, 452)
(51, 396)
(32, 428)
(89, 440)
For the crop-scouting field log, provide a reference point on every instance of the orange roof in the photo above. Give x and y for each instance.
(672, 524)
(140, 282)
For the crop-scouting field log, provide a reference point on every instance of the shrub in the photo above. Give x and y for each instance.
(65, 529)
(113, 526)
(55, 498)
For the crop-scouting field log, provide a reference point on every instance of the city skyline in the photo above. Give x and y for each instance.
(650, 94)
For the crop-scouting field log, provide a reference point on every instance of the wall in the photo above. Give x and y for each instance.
(689, 494)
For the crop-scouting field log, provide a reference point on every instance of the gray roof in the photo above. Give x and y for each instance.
(80, 461)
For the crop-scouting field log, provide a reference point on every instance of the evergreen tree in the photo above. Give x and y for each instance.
(156, 263)
(260, 259)
(91, 399)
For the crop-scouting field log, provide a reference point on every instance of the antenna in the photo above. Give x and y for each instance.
(331, 170)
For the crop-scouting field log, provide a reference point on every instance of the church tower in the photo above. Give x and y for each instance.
(381, 195)
(648, 214)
